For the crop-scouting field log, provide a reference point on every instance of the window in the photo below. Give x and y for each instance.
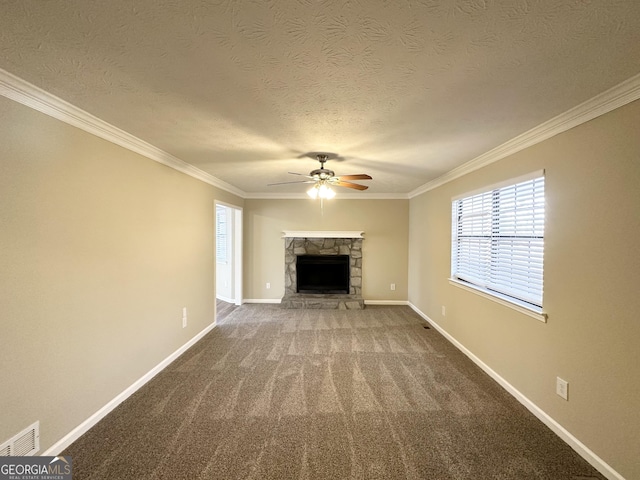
(498, 241)
(221, 234)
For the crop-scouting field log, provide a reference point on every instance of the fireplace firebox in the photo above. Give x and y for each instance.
(328, 274)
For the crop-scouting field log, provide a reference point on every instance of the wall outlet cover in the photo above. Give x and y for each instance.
(562, 388)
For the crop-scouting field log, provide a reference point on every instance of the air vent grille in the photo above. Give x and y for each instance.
(25, 443)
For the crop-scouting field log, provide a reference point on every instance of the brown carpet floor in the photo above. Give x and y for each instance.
(318, 394)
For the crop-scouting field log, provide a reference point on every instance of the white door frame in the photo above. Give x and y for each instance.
(237, 254)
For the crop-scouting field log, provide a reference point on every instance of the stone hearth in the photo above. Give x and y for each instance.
(295, 246)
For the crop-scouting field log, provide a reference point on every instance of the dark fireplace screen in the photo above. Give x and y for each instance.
(322, 273)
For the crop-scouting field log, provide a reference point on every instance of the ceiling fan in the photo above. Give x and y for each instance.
(323, 179)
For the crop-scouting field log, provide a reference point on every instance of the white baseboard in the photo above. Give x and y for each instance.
(261, 300)
(582, 450)
(81, 429)
(226, 299)
(386, 302)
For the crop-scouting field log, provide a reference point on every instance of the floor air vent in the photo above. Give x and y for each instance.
(25, 443)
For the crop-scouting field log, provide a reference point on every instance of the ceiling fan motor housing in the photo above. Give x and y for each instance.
(322, 174)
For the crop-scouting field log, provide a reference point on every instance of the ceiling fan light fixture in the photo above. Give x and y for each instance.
(313, 192)
(330, 193)
(321, 190)
(324, 191)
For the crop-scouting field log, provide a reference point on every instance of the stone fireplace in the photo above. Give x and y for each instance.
(323, 243)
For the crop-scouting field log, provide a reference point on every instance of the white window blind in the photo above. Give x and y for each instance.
(221, 234)
(498, 240)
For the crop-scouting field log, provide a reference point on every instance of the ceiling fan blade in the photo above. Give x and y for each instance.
(285, 183)
(301, 174)
(362, 176)
(355, 186)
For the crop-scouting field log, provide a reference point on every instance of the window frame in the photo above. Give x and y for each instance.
(505, 298)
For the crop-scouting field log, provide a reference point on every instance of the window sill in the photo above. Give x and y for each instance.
(531, 311)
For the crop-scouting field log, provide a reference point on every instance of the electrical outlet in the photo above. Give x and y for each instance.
(444, 311)
(393, 286)
(562, 388)
(184, 317)
(268, 285)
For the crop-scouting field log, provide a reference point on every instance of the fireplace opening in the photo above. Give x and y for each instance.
(322, 273)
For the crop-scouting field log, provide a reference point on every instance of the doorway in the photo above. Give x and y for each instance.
(228, 253)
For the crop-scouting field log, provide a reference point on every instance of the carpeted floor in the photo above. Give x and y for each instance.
(323, 394)
(223, 310)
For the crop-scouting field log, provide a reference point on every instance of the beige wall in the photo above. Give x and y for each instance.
(100, 249)
(591, 282)
(385, 223)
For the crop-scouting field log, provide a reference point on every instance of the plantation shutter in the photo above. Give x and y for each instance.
(498, 240)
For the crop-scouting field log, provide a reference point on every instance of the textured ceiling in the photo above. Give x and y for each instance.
(404, 90)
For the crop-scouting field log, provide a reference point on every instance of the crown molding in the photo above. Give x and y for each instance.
(38, 99)
(618, 96)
